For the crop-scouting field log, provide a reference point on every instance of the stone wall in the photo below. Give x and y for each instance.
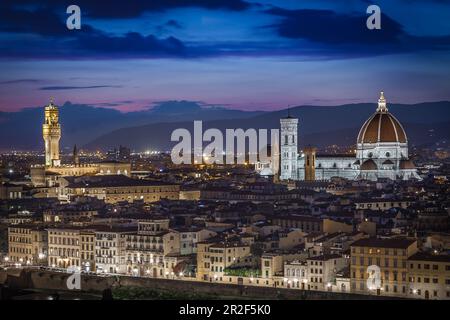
(36, 279)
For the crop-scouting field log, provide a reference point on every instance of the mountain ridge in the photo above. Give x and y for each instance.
(340, 125)
(90, 126)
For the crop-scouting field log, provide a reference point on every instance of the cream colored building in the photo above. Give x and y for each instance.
(189, 237)
(113, 189)
(87, 241)
(154, 250)
(64, 247)
(429, 276)
(27, 244)
(389, 256)
(110, 248)
(322, 271)
(44, 175)
(213, 258)
(382, 204)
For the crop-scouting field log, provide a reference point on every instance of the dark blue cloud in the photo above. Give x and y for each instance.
(173, 23)
(118, 9)
(20, 81)
(130, 44)
(326, 26)
(315, 33)
(339, 33)
(56, 41)
(77, 87)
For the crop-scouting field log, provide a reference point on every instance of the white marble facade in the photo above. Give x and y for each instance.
(381, 152)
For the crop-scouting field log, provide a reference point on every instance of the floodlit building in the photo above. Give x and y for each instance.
(27, 244)
(388, 262)
(429, 276)
(382, 152)
(113, 189)
(44, 175)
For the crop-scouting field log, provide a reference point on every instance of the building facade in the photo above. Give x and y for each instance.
(381, 152)
(380, 266)
(429, 276)
(27, 244)
(113, 189)
(51, 132)
(43, 175)
(110, 246)
(154, 250)
(64, 247)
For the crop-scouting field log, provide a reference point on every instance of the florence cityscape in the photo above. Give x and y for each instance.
(224, 150)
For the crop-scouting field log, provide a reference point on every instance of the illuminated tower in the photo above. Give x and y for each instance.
(289, 150)
(310, 163)
(51, 132)
(76, 157)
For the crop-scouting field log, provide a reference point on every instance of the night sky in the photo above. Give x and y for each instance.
(262, 55)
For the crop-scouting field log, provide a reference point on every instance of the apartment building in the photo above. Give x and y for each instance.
(110, 248)
(304, 223)
(117, 188)
(213, 258)
(382, 204)
(322, 271)
(429, 276)
(27, 244)
(87, 249)
(153, 249)
(190, 236)
(64, 247)
(296, 274)
(274, 263)
(388, 259)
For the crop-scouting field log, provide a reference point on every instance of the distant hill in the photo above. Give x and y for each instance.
(318, 125)
(82, 123)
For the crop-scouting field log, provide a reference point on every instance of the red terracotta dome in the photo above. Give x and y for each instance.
(382, 127)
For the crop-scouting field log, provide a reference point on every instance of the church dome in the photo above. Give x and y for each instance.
(382, 127)
(369, 165)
